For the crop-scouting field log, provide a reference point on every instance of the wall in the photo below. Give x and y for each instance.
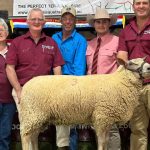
(7, 5)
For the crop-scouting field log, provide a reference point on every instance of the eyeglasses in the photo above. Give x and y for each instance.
(36, 19)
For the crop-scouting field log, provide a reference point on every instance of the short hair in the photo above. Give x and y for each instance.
(135, 0)
(4, 24)
(35, 9)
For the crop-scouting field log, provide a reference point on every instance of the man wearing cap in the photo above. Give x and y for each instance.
(73, 48)
(101, 56)
(134, 42)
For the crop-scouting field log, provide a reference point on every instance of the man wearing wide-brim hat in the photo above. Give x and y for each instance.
(101, 13)
(101, 57)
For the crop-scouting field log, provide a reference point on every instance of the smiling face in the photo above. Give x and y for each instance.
(102, 26)
(3, 33)
(141, 8)
(68, 22)
(36, 21)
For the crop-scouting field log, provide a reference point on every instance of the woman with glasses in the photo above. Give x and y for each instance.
(7, 105)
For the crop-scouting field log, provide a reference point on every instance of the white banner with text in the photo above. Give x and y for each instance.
(83, 7)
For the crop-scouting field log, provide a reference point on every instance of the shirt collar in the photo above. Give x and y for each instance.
(3, 52)
(72, 34)
(104, 37)
(28, 35)
(134, 25)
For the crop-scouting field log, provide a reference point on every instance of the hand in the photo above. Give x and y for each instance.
(18, 92)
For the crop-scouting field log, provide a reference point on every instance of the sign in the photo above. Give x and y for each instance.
(83, 7)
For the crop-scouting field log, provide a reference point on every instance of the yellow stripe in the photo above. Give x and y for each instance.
(124, 21)
(12, 25)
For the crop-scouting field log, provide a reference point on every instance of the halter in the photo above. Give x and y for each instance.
(139, 70)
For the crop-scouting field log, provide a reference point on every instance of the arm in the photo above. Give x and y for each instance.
(122, 55)
(58, 61)
(122, 47)
(57, 70)
(12, 76)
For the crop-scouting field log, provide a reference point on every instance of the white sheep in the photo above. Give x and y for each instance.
(100, 100)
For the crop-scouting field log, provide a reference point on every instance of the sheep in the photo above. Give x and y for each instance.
(100, 100)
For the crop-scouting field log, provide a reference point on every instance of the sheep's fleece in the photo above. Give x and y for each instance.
(101, 100)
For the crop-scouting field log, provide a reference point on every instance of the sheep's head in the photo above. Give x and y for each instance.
(140, 66)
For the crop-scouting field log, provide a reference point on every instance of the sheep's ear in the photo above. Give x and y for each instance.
(121, 62)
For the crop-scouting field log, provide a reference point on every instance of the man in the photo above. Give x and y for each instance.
(101, 57)
(7, 104)
(32, 54)
(134, 42)
(73, 48)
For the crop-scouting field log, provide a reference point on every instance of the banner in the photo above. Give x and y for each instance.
(55, 23)
(83, 7)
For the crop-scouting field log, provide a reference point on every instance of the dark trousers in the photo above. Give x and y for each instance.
(7, 112)
(73, 139)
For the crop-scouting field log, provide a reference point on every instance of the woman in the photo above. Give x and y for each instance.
(7, 105)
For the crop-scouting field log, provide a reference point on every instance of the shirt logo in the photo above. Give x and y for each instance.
(47, 47)
(147, 32)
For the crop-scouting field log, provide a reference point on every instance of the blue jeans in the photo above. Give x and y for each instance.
(7, 112)
(73, 139)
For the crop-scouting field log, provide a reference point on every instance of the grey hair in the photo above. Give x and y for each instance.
(4, 24)
(35, 9)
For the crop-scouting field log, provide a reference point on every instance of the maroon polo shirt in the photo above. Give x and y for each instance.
(5, 87)
(136, 43)
(31, 59)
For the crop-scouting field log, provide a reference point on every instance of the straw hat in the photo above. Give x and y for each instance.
(68, 9)
(101, 14)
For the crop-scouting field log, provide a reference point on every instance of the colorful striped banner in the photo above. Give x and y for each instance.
(55, 23)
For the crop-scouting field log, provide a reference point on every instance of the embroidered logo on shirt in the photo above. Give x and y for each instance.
(147, 32)
(47, 47)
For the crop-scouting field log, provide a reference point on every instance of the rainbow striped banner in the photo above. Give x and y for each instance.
(55, 23)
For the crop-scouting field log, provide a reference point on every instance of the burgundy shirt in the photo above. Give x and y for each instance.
(136, 43)
(5, 87)
(31, 59)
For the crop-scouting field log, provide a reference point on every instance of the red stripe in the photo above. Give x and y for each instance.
(19, 20)
(55, 20)
(120, 17)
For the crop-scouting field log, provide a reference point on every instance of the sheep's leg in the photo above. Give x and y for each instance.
(26, 142)
(103, 140)
(35, 141)
(30, 142)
